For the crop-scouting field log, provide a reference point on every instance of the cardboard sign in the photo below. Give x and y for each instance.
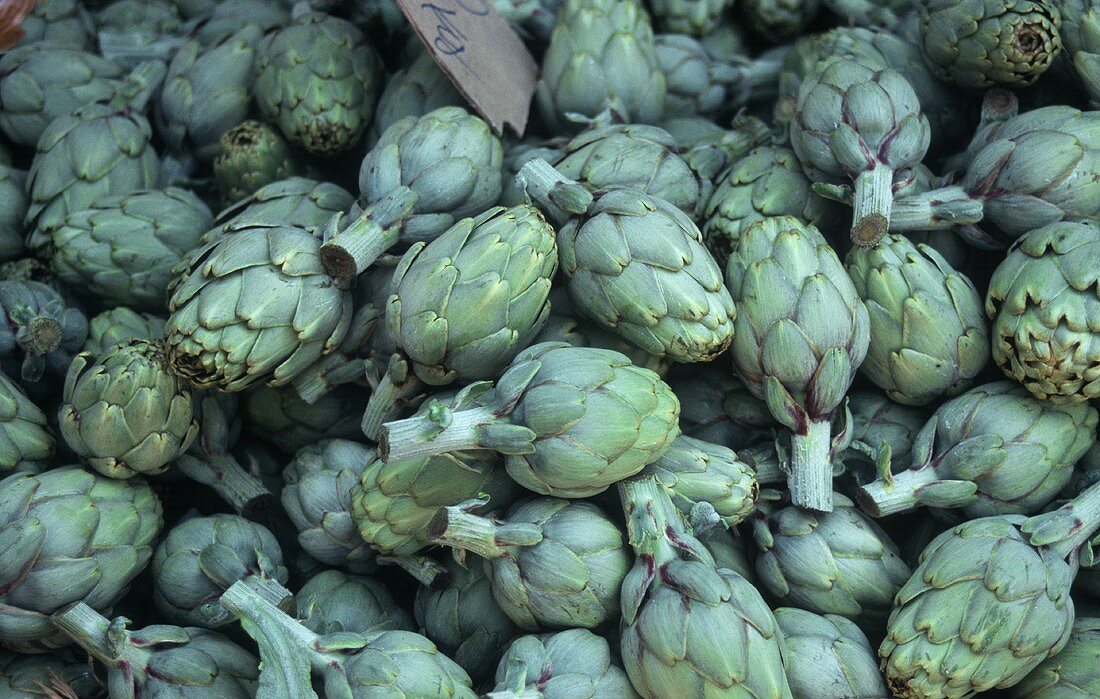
(12, 13)
(481, 54)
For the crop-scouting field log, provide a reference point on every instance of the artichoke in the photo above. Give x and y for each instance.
(333, 601)
(317, 78)
(836, 563)
(254, 306)
(674, 602)
(224, 18)
(424, 174)
(827, 656)
(42, 81)
(882, 433)
(1071, 674)
(573, 664)
(26, 443)
(985, 43)
(162, 660)
(857, 120)
(730, 550)
(715, 407)
(118, 325)
(415, 90)
(295, 660)
(39, 331)
(63, 23)
(123, 249)
(551, 563)
(988, 602)
(995, 450)
(130, 30)
(1080, 34)
(125, 412)
(800, 335)
(69, 536)
(251, 155)
(463, 305)
(202, 557)
(13, 209)
(928, 337)
(778, 20)
(601, 56)
(693, 17)
(43, 676)
(464, 620)
(571, 420)
(281, 417)
(1046, 312)
(297, 201)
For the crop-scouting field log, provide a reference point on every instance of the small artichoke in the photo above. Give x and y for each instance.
(333, 601)
(13, 209)
(716, 407)
(251, 155)
(693, 17)
(778, 20)
(573, 664)
(297, 201)
(26, 443)
(827, 656)
(117, 325)
(414, 91)
(281, 417)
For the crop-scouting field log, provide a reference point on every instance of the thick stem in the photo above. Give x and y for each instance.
(654, 526)
(936, 210)
(387, 400)
(811, 477)
(426, 571)
(88, 628)
(420, 436)
(1086, 509)
(557, 196)
(40, 335)
(222, 473)
(454, 527)
(347, 252)
(880, 499)
(872, 197)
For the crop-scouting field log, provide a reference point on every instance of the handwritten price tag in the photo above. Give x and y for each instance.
(481, 54)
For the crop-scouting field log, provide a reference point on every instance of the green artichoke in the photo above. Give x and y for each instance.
(68, 536)
(42, 81)
(715, 407)
(295, 660)
(281, 417)
(800, 335)
(827, 656)
(601, 56)
(928, 337)
(464, 620)
(251, 155)
(118, 325)
(297, 201)
(43, 676)
(1046, 312)
(39, 331)
(318, 500)
(995, 450)
(333, 601)
(778, 20)
(162, 660)
(424, 174)
(317, 78)
(254, 306)
(130, 30)
(988, 602)
(730, 550)
(1071, 674)
(551, 563)
(463, 305)
(675, 602)
(224, 18)
(414, 91)
(13, 209)
(1080, 34)
(26, 443)
(123, 249)
(202, 557)
(698, 82)
(859, 121)
(693, 17)
(573, 664)
(836, 563)
(64, 23)
(985, 43)
(765, 183)
(882, 433)
(124, 412)
(571, 420)
(706, 482)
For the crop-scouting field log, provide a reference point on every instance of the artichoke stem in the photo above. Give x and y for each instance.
(313, 383)
(811, 477)
(349, 251)
(879, 499)
(88, 628)
(453, 526)
(1086, 509)
(936, 210)
(651, 520)
(386, 401)
(420, 435)
(41, 335)
(872, 198)
(426, 571)
(524, 693)
(222, 473)
(558, 196)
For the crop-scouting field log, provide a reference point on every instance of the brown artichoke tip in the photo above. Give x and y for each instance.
(869, 230)
(44, 334)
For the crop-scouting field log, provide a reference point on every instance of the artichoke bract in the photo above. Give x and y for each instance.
(1071, 674)
(61, 22)
(827, 656)
(570, 420)
(693, 17)
(573, 664)
(1045, 310)
(800, 334)
(715, 407)
(929, 339)
(674, 601)
(1081, 39)
(125, 412)
(861, 122)
(317, 499)
(296, 660)
(464, 620)
(551, 563)
(995, 450)
(986, 43)
(839, 562)
(117, 325)
(224, 18)
(297, 201)
(333, 601)
(414, 91)
(123, 249)
(13, 209)
(69, 536)
(251, 155)
(988, 602)
(317, 78)
(464, 304)
(254, 306)
(26, 443)
(25, 676)
(162, 660)
(281, 417)
(882, 433)
(778, 20)
(424, 174)
(39, 331)
(637, 265)
(600, 57)
(202, 557)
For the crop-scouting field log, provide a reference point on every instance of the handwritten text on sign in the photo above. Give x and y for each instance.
(481, 54)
